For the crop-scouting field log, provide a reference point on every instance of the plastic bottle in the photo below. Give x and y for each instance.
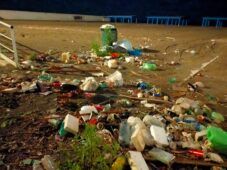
(62, 131)
(125, 133)
(149, 66)
(102, 86)
(172, 80)
(135, 52)
(217, 117)
(218, 138)
(119, 164)
(45, 77)
(161, 155)
(143, 85)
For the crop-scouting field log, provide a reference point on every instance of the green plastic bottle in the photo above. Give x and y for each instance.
(62, 131)
(149, 66)
(102, 86)
(45, 77)
(172, 80)
(218, 138)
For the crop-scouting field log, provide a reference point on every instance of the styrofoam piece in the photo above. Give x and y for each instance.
(136, 161)
(159, 135)
(71, 124)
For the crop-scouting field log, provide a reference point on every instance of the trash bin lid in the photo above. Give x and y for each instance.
(107, 26)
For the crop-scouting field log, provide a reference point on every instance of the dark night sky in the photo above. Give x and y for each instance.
(194, 9)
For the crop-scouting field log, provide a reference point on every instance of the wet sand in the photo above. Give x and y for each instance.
(167, 43)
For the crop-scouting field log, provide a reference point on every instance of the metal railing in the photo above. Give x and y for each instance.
(122, 18)
(14, 62)
(167, 20)
(218, 20)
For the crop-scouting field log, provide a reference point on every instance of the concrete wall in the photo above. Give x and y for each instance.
(24, 15)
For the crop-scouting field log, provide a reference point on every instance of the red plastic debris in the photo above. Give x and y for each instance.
(197, 153)
(99, 107)
(74, 57)
(115, 55)
(93, 121)
(89, 95)
(56, 84)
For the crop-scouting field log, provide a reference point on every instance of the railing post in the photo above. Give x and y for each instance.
(15, 61)
(14, 46)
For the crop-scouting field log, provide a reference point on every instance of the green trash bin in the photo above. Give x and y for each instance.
(108, 34)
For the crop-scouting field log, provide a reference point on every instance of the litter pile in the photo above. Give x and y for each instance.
(152, 129)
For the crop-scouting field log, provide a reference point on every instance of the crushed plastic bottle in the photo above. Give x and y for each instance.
(161, 155)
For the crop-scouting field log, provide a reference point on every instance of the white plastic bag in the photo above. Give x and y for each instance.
(115, 79)
(87, 112)
(89, 84)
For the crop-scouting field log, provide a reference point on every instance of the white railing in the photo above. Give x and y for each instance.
(14, 49)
